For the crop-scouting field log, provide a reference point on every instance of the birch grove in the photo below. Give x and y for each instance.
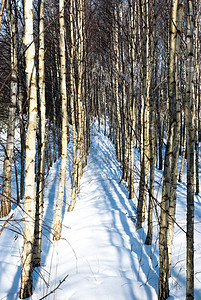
(133, 69)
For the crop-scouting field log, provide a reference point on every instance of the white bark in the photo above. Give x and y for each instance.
(169, 162)
(132, 100)
(29, 201)
(59, 203)
(41, 83)
(144, 151)
(72, 104)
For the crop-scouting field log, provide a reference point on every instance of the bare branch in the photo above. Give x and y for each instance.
(4, 225)
(60, 283)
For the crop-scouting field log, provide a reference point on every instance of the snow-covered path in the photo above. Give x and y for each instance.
(100, 248)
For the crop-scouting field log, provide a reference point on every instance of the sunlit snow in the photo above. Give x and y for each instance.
(100, 250)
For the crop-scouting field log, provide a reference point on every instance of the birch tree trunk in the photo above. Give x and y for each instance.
(79, 93)
(26, 289)
(163, 291)
(60, 196)
(39, 198)
(7, 168)
(183, 154)
(190, 155)
(160, 135)
(152, 124)
(196, 148)
(176, 107)
(123, 90)
(146, 80)
(72, 105)
(79, 151)
(132, 17)
(116, 80)
(22, 142)
(197, 95)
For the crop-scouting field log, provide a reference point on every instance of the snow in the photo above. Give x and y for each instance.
(100, 250)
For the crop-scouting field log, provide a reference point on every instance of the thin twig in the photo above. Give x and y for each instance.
(4, 225)
(60, 283)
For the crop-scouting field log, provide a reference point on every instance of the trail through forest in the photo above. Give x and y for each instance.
(100, 250)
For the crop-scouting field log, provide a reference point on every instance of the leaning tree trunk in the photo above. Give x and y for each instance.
(26, 289)
(60, 196)
(190, 155)
(7, 168)
(183, 154)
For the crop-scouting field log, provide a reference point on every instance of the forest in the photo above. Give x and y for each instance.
(100, 132)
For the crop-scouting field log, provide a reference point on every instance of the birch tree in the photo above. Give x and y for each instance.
(190, 154)
(26, 289)
(197, 93)
(163, 291)
(131, 113)
(60, 196)
(80, 53)
(183, 154)
(72, 105)
(175, 112)
(116, 77)
(152, 126)
(7, 168)
(144, 151)
(41, 84)
(77, 93)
